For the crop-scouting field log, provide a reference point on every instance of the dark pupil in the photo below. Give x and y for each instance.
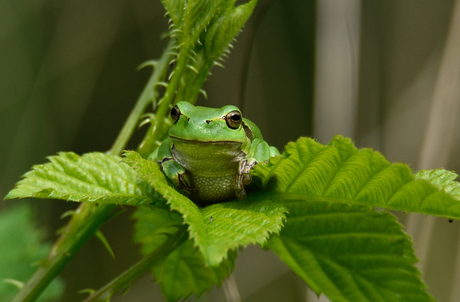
(174, 112)
(236, 118)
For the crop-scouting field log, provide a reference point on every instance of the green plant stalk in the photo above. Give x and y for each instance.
(84, 223)
(147, 96)
(87, 219)
(192, 93)
(138, 269)
(166, 101)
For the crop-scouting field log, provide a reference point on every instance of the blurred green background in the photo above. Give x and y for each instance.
(381, 72)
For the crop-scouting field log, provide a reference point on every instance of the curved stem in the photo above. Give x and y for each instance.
(83, 225)
(138, 269)
(147, 96)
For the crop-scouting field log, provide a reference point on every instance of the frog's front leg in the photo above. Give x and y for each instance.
(175, 172)
(260, 151)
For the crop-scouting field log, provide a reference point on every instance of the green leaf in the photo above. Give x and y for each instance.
(184, 272)
(175, 10)
(234, 224)
(349, 254)
(332, 238)
(20, 248)
(441, 179)
(218, 228)
(152, 223)
(225, 27)
(190, 18)
(149, 172)
(203, 31)
(340, 173)
(93, 177)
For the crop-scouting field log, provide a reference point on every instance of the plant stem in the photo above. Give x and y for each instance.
(165, 103)
(147, 96)
(138, 269)
(192, 94)
(161, 122)
(89, 217)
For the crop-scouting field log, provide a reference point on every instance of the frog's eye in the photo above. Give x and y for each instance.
(234, 119)
(175, 113)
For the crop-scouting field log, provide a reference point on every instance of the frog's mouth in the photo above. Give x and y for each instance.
(205, 151)
(198, 142)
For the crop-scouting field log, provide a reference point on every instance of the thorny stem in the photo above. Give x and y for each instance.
(138, 269)
(147, 97)
(166, 101)
(194, 90)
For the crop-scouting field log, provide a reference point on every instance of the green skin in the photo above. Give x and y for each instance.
(207, 157)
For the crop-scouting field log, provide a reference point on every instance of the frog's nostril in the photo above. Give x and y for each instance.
(208, 121)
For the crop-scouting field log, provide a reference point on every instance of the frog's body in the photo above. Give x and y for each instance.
(211, 151)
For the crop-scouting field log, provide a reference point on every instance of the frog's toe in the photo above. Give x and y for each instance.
(240, 194)
(247, 178)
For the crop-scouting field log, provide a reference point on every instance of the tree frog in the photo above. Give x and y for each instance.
(210, 152)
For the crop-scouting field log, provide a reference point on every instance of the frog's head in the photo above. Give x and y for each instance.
(204, 124)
